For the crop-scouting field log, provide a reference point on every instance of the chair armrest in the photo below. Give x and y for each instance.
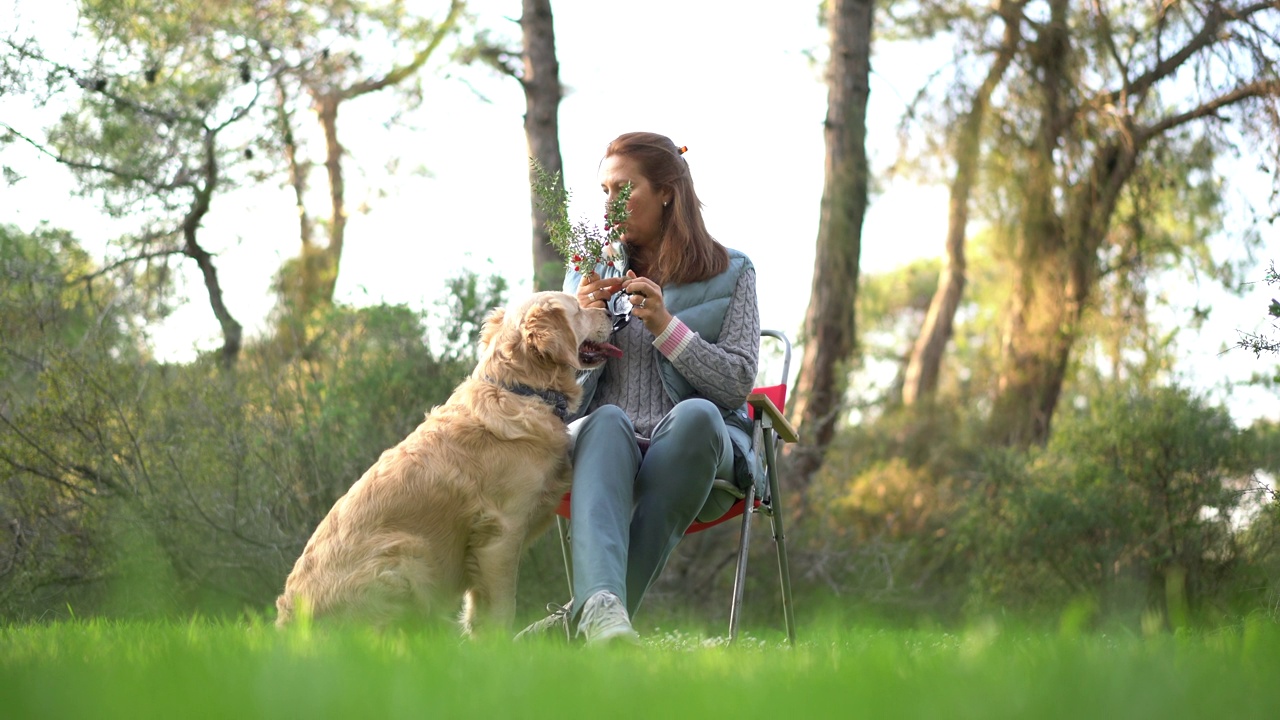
(763, 404)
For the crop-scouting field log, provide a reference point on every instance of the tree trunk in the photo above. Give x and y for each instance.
(232, 331)
(298, 170)
(830, 322)
(1042, 322)
(542, 93)
(1054, 289)
(925, 362)
(327, 111)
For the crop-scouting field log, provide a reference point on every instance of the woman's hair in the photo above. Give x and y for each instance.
(687, 252)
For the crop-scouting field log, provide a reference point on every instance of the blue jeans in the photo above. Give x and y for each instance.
(630, 509)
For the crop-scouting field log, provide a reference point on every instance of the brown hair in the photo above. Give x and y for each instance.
(687, 252)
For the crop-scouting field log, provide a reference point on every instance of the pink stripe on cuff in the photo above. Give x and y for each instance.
(674, 339)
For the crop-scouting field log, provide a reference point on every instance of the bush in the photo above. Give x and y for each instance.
(1143, 502)
(129, 487)
(1134, 504)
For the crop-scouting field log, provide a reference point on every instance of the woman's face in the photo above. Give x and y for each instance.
(643, 228)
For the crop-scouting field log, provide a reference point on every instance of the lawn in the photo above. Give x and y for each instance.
(99, 669)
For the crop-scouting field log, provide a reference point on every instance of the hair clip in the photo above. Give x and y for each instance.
(683, 149)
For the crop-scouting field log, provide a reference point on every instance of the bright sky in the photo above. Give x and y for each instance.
(737, 87)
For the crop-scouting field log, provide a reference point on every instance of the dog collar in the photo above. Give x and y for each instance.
(558, 401)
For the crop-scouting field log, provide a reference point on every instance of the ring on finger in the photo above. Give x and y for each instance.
(643, 299)
(591, 296)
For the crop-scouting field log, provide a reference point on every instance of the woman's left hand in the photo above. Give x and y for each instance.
(646, 302)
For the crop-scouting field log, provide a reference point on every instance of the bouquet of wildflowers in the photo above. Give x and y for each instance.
(581, 244)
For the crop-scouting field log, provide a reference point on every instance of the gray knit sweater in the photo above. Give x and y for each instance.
(724, 372)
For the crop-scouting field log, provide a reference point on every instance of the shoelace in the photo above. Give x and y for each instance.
(561, 615)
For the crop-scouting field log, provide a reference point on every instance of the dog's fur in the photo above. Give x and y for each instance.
(448, 511)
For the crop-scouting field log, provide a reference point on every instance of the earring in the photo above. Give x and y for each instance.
(664, 203)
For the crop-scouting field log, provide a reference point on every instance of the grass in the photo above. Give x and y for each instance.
(101, 669)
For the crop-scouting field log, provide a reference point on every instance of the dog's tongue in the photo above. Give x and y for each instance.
(611, 350)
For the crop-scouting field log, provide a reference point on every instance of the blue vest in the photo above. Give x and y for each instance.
(701, 306)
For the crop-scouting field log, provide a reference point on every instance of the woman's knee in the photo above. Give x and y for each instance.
(606, 429)
(693, 417)
(694, 429)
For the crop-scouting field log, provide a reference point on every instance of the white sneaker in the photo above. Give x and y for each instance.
(605, 620)
(555, 624)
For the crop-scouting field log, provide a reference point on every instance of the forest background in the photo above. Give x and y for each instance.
(223, 298)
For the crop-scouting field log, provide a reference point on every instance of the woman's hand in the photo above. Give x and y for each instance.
(594, 291)
(646, 302)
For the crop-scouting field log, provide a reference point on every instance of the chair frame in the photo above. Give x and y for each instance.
(770, 430)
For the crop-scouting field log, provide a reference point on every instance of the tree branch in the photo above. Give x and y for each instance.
(1206, 36)
(397, 75)
(180, 182)
(298, 171)
(1260, 88)
(166, 252)
(231, 329)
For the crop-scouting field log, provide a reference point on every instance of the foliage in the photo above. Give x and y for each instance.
(1100, 167)
(130, 488)
(166, 106)
(891, 494)
(47, 301)
(1137, 503)
(466, 304)
(1261, 342)
(581, 244)
(1146, 500)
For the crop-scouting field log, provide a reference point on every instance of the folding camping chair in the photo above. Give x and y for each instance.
(771, 429)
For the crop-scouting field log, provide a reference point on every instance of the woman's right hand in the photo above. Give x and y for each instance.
(594, 291)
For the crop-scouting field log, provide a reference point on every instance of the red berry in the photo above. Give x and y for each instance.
(576, 268)
(577, 258)
(607, 226)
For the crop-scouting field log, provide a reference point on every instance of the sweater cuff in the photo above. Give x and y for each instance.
(674, 339)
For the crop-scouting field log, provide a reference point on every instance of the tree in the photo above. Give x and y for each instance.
(332, 71)
(129, 486)
(921, 377)
(149, 111)
(1094, 94)
(830, 322)
(538, 72)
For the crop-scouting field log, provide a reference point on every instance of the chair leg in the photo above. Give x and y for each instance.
(779, 539)
(740, 574)
(563, 526)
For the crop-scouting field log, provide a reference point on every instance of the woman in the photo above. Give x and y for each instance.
(658, 424)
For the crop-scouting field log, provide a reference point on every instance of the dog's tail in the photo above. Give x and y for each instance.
(291, 609)
(284, 610)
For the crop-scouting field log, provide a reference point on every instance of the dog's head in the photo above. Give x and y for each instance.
(538, 341)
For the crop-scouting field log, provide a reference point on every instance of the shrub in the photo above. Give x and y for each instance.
(1132, 504)
(129, 487)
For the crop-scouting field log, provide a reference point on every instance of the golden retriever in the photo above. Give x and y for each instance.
(448, 511)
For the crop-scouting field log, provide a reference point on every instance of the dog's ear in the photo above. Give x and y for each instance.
(547, 334)
(492, 324)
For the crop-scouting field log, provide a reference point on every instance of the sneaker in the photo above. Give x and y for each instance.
(604, 620)
(557, 623)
